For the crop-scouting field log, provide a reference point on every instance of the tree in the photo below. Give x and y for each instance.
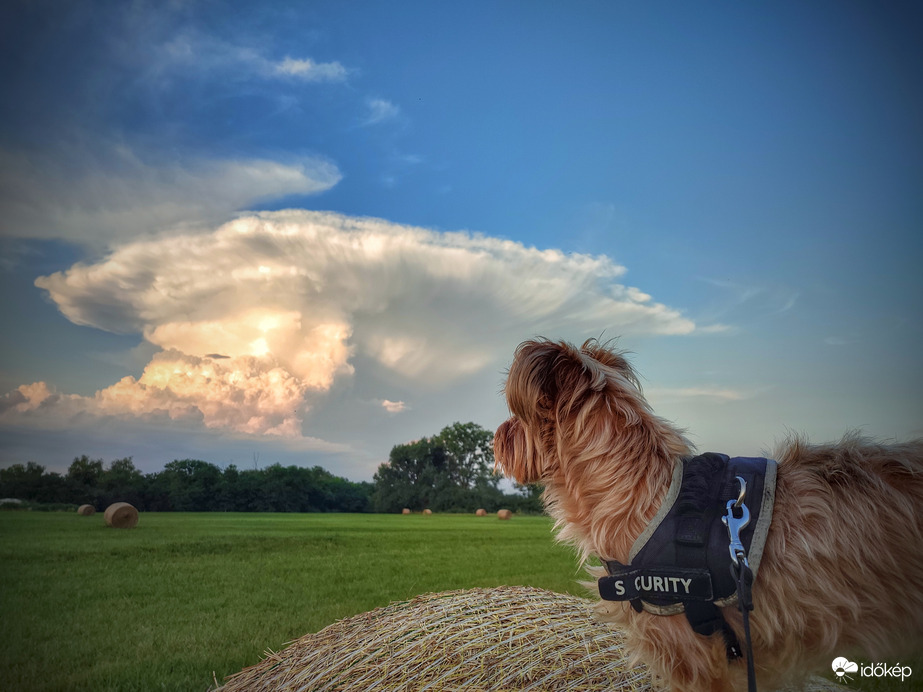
(448, 472)
(191, 485)
(22, 482)
(407, 479)
(122, 482)
(469, 454)
(85, 471)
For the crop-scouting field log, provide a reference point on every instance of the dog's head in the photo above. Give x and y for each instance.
(571, 405)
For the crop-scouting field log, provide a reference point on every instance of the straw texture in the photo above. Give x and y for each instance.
(86, 510)
(491, 640)
(121, 515)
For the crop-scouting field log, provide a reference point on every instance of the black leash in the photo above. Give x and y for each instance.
(740, 570)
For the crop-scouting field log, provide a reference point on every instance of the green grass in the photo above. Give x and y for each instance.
(181, 596)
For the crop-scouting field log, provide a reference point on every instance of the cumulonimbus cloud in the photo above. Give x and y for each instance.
(268, 309)
(247, 395)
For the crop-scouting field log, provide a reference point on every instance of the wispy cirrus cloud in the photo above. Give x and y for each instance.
(98, 191)
(771, 299)
(205, 53)
(712, 393)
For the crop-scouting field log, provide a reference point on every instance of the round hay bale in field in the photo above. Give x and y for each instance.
(405, 511)
(427, 511)
(481, 513)
(86, 510)
(490, 640)
(121, 515)
(504, 514)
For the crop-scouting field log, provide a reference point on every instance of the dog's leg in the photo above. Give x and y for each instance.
(681, 660)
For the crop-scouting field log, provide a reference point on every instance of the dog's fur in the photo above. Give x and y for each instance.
(842, 568)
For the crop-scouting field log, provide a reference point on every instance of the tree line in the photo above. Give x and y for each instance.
(187, 485)
(450, 472)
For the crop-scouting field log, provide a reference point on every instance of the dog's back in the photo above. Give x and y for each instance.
(843, 567)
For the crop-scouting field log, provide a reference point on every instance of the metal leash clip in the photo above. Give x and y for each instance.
(740, 569)
(736, 524)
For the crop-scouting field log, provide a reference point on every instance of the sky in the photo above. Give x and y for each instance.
(303, 233)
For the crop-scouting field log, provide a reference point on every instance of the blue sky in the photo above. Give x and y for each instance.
(306, 232)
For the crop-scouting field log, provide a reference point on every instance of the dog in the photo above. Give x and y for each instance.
(841, 571)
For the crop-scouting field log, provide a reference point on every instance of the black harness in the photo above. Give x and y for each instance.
(702, 549)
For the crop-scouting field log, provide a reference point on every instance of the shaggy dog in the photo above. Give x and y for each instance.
(842, 568)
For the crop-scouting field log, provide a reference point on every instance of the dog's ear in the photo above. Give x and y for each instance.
(553, 380)
(606, 355)
(524, 445)
(543, 370)
(531, 388)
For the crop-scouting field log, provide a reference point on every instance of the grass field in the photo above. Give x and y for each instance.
(165, 605)
(184, 597)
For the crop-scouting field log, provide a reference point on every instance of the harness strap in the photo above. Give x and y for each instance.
(699, 495)
(706, 619)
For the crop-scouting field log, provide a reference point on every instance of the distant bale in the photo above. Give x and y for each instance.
(86, 510)
(121, 515)
(405, 511)
(481, 513)
(490, 640)
(427, 511)
(504, 514)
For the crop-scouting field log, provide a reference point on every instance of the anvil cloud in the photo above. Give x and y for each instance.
(258, 317)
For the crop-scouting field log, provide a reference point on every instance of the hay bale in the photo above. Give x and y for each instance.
(427, 511)
(86, 510)
(405, 511)
(121, 515)
(504, 514)
(505, 638)
(481, 513)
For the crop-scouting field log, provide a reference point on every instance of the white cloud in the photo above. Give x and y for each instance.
(245, 395)
(704, 392)
(380, 110)
(260, 317)
(393, 406)
(310, 71)
(99, 192)
(193, 51)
